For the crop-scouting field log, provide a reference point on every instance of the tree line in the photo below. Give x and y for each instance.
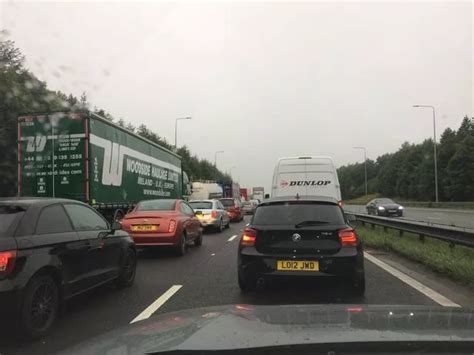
(409, 172)
(22, 92)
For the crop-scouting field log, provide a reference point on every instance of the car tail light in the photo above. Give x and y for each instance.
(214, 214)
(172, 226)
(348, 237)
(248, 237)
(7, 262)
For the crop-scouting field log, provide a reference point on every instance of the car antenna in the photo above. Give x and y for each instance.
(297, 196)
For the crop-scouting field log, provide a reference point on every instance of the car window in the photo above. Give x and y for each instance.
(52, 220)
(186, 209)
(84, 218)
(294, 213)
(220, 205)
(201, 205)
(227, 202)
(156, 205)
(9, 218)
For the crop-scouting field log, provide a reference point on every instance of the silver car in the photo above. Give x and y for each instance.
(250, 206)
(211, 213)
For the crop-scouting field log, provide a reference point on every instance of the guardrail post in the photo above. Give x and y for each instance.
(400, 233)
(452, 245)
(373, 226)
(363, 223)
(385, 229)
(422, 238)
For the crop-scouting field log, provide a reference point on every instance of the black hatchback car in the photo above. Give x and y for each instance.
(51, 250)
(300, 237)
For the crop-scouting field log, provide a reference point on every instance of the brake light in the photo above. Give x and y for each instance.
(248, 237)
(214, 214)
(172, 226)
(348, 237)
(7, 262)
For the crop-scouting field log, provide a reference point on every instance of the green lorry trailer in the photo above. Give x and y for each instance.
(83, 156)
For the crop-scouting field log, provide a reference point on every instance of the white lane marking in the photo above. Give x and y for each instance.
(428, 292)
(213, 254)
(160, 301)
(232, 238)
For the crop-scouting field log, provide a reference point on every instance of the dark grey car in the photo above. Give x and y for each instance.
(384, 207)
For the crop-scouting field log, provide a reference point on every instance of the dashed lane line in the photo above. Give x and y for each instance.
(160, 301)
(428, 292)
(232, 238)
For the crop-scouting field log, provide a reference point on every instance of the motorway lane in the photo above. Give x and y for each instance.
(208, 275)
(458, 218)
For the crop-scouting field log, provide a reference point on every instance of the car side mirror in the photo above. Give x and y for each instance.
(116, 225)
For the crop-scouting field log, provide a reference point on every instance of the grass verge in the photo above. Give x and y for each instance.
(456, 263)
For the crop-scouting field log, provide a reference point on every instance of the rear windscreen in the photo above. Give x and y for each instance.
(201, 205)
(228, 202)
(9, 218)
(156, 205)
(291, 213)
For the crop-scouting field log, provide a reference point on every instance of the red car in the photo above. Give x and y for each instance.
(233, 208)
(169, 223)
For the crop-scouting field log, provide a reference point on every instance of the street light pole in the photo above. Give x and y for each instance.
(176, 130)
(435, 158)
(365, 166)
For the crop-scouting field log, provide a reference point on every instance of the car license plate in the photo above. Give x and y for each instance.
(144, 228)
(300, 265)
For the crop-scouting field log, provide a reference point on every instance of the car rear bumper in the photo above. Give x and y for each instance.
(346, 263)
(234, 216)
(210, 222)
(155, 239)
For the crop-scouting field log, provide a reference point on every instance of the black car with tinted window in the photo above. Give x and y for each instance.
(301, 237)
(52, 250)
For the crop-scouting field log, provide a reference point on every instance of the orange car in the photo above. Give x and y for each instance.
(169, 223)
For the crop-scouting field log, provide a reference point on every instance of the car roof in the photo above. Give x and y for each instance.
(210, 200)
(34, 201)
(325, 199)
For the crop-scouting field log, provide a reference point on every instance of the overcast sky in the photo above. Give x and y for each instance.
(261, 80)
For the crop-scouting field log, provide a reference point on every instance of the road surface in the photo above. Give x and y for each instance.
(450, 217)
(207, 276)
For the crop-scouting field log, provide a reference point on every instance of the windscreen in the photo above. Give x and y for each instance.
(294, 213)
(385, 200)
(201, 205)
(156, 205)
(9, 217)
(227, 202)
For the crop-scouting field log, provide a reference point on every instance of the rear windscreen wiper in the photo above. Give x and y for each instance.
(310, 223)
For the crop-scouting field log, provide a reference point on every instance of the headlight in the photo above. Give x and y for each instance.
(400, 207)
(381, 208)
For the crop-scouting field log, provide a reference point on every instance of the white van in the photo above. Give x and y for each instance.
(306, 176)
